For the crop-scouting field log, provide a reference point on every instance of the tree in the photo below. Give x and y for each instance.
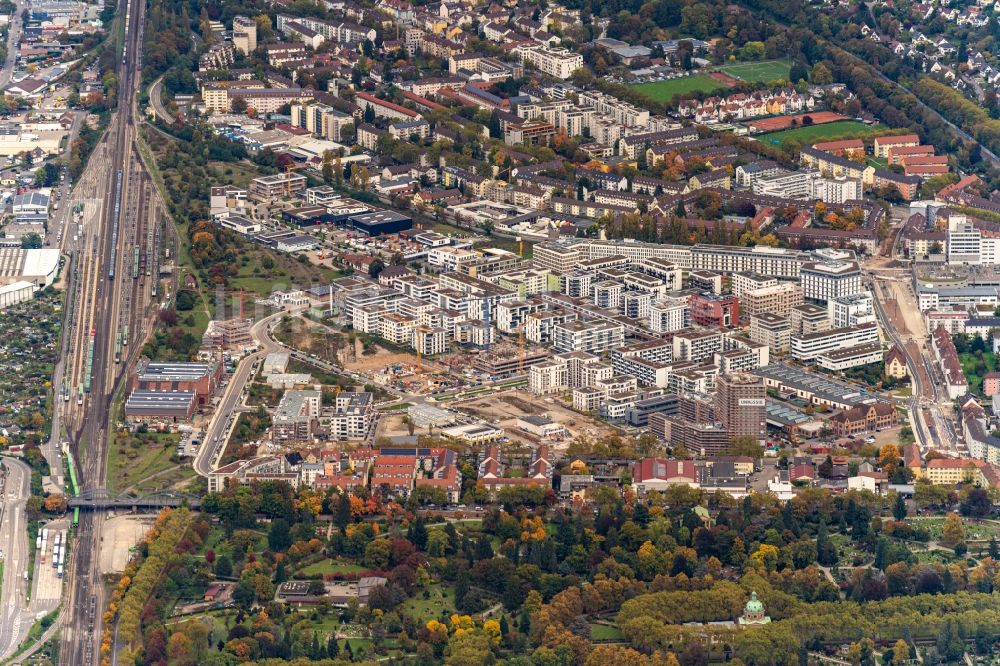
(377, 554)
(900, 653)
(745, 446)
(55, 504)
(953, 533)
(821, 74)
(279, 537)
(31, 241)
(470, 647)
(976, 503)
(899, 508)
(238, 105)
(376, 267)
(797, 72)
(223, 566)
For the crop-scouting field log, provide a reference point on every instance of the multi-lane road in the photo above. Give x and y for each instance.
(15, 486)
(13, 39)
(224, 417)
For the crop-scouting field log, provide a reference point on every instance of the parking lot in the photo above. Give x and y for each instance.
(48, 585)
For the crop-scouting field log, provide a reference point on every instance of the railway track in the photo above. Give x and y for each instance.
(111, 297)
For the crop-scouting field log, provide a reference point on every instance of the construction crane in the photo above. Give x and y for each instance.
(520, 348)
(289, 168)
(486, 322)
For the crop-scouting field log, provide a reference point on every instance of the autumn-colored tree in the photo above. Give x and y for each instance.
(900, 653)
(55, 504)
(953, 532)
(604, 655)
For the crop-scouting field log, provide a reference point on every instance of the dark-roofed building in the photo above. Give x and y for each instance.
(158, 407)
(864, 418)
(381, 222)
(200, 378)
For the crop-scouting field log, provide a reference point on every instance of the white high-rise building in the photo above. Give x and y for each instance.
(822, 281)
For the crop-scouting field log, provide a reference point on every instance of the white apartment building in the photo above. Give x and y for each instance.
(667, 271)
(774, 261)
(837, 190)
(697, 345)
(322, 120)
(636, 305)
(594, 337)
(809, 347)
(822, 281)
(851, 357)
(621, 112)
(809, 184)
(577, 284)
(607, 295)
(448, 258)
(744, 282)
(429, 340)
(397, 329)
(669, 314)
(547, 377)
(965, 244)
(851, 310)
(557, 62)
(541, 325)
(785, 184)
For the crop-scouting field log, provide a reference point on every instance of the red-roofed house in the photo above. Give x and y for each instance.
(384, 108)
(802, 473)
(660, 473)
(844, 148)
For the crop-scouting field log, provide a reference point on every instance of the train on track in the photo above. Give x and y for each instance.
(114, 229)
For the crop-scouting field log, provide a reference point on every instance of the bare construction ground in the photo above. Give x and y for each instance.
(503, 409)
(118, 536)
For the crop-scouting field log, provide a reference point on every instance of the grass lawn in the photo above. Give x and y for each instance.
(128, 464)
(332, 567)
(254, 278)
(664, 91)
(970, 363)
(844, 129)
(234, 173)
(878, 162)
(975, 530)
(759, 72)
(441, 603)
(197, 323)
(602, 632)
(168, 479)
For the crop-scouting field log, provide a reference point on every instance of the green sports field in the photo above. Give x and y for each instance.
(759, 72)
(663, 91)
(844, 129)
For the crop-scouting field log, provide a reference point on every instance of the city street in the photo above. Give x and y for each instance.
(224, 417)
(16, 616)
(13, 39)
